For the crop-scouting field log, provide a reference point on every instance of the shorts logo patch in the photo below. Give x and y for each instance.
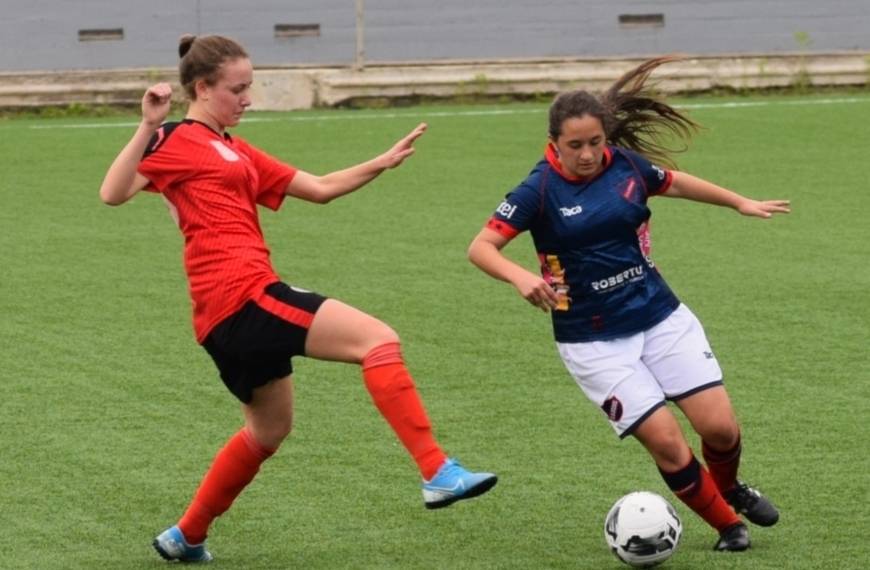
(613, 408)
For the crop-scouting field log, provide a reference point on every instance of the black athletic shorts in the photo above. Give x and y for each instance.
(254, 345)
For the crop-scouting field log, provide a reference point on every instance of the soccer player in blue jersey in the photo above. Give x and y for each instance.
(622, 333)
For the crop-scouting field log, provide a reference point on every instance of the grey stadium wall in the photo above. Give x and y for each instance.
(75, 40)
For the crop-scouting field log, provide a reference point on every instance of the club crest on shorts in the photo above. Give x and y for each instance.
(613, 408)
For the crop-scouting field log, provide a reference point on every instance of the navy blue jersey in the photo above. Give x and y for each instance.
(589, 235)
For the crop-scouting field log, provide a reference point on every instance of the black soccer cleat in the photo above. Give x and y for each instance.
(735, 538)
(752, 504)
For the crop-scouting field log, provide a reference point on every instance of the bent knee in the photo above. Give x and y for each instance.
(671, 454)
(720, 435)
(383, 334)
(378, 334)
(668, 448)
(273, 434)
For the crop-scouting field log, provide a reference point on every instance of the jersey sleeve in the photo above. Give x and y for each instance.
(655, 178)
(163, 163)
(517, 212)
(274, 176)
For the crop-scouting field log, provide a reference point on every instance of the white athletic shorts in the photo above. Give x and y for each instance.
(629, 378)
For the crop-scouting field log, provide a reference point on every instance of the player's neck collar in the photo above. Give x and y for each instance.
(224, 135)
(553, 158)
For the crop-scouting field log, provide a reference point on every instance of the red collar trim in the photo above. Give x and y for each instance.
(553, 158)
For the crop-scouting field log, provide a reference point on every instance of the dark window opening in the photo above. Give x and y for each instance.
(101, 34)
(296, 30)
(641, 20)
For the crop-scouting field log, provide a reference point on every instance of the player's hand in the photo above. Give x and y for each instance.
(764, 208)
(404, 148)
(537, 292)
(156, 104)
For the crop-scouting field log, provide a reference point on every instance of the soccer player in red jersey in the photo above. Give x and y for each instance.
(249, 321)
(623, 335)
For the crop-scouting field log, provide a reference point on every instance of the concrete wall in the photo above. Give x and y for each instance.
(304, 87)
(44, 34)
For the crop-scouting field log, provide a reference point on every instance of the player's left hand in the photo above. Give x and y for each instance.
(764, 208)
(404, 148)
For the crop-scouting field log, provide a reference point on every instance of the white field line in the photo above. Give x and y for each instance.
(480, 113)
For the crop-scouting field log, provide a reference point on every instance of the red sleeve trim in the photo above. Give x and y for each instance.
(502, 227)
(669, 179)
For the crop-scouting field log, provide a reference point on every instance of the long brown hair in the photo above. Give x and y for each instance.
(632, 116)
(202, 57)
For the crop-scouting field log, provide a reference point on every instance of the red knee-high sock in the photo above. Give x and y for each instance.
(393, 391)
(234, 466)
(694, 486)
(723, 464)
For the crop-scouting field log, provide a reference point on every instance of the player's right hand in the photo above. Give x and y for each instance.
(537, 291)
(156, 104)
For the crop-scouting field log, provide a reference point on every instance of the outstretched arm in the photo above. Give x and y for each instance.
(485, 253)
(122, 181)
(694, 188)
(322, 189)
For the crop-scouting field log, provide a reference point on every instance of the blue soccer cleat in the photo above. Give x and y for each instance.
(171, 545)
(453, 483)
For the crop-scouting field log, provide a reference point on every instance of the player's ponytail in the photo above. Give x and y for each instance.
(185, 43)
(638, 120)
(631, 115)
(202, 57)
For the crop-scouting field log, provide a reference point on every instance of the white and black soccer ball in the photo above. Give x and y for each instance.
(642, 529)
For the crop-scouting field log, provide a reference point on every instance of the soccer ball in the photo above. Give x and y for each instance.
(642, 529)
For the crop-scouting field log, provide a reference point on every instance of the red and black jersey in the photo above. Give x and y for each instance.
(213, 184)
